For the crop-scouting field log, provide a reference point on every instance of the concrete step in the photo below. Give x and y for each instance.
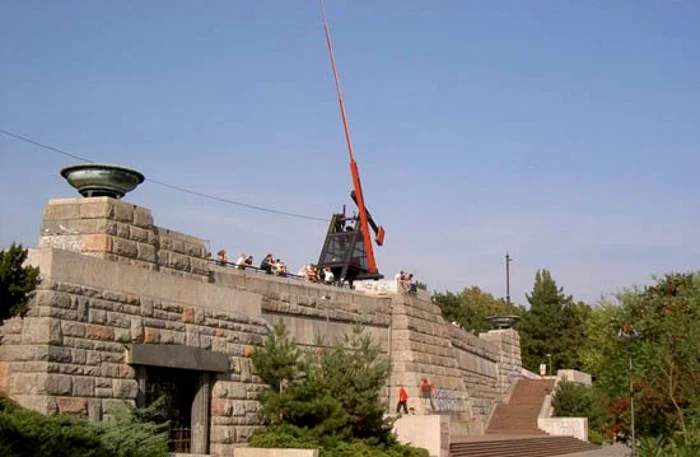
(514, 446)
(519, 416)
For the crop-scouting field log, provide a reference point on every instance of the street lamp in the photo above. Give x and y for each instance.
(628, 335)
(550, 363)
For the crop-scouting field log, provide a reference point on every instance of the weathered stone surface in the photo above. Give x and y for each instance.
(123, 211)
(99, 332)
(69, 328)
(143, 218)
(125, 248)
(94, 409)
(125, 388)
(41, 330)
(152, 335)
(57, 384)
(187, 314)
(50, 298)
(83, 386)
(146, 252)
(69, 405)
(96, 243)
(5, 377)
(56, 212)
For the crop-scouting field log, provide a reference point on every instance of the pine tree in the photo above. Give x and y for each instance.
(471, 307)
(16, 281)
(553, 325)
(325, 396)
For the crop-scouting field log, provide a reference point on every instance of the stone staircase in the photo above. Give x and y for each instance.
(513, 432)
(519, 416)
(519, 446)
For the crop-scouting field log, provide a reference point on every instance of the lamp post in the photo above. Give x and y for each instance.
(550, 363)
(628, 335)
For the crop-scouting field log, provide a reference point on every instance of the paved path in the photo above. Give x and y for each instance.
(616, 450)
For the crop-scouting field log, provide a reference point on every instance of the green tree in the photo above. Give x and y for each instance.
(667, 316)
(278, 361)
(666, 374)
(16, 281)
(470, 308)
(326, 398)
(576, 400)
(322, 396)
(553, 324)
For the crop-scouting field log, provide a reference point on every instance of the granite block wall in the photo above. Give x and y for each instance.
(112, 280)
(119, 231)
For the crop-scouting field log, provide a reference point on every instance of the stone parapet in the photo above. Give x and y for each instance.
(311, 312)
(119, 231)
(510, 363)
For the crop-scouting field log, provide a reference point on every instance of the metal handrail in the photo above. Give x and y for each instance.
(226, 263)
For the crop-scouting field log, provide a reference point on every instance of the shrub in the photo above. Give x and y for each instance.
(16, 281)
(577, 400)
(25, 433)
(328, 399)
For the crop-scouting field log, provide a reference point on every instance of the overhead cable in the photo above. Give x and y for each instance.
(167, 185)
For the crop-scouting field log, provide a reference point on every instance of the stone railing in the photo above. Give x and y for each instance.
(387, 287)
(576, 376)
(565, 426)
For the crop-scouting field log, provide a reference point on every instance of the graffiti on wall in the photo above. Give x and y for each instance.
(444, 401)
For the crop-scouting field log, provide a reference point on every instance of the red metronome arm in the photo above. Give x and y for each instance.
(364, 225)
(369, 249)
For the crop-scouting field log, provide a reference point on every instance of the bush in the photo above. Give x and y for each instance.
(327, 399)
(25, 433)
(16, 281)
(577, 400)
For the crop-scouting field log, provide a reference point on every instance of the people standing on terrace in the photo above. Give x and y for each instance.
(426, 392)
(240, 263)
(328, 276)
(403, 400)
(222, 259)
(266, 264)
(279, 268)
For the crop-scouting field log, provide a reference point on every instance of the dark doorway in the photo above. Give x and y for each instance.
(178, 389)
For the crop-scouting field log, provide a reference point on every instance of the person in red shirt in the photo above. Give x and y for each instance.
(403, 399)
(426, 392)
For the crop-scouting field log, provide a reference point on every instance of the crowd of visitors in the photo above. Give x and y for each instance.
(309, 272)
(244, 261)
(273, 266)
(276, 266)
(315, 274)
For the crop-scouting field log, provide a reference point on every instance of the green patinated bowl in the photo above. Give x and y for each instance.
(100, 180)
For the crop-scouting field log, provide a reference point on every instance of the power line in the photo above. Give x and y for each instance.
(169, 186)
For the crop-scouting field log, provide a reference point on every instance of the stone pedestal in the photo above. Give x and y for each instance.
(508, 343)
(117, 230)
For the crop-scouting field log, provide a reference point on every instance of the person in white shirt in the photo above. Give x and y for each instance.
(328, 276)
(240, 263)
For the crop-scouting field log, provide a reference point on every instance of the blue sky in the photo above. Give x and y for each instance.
(564, 132)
